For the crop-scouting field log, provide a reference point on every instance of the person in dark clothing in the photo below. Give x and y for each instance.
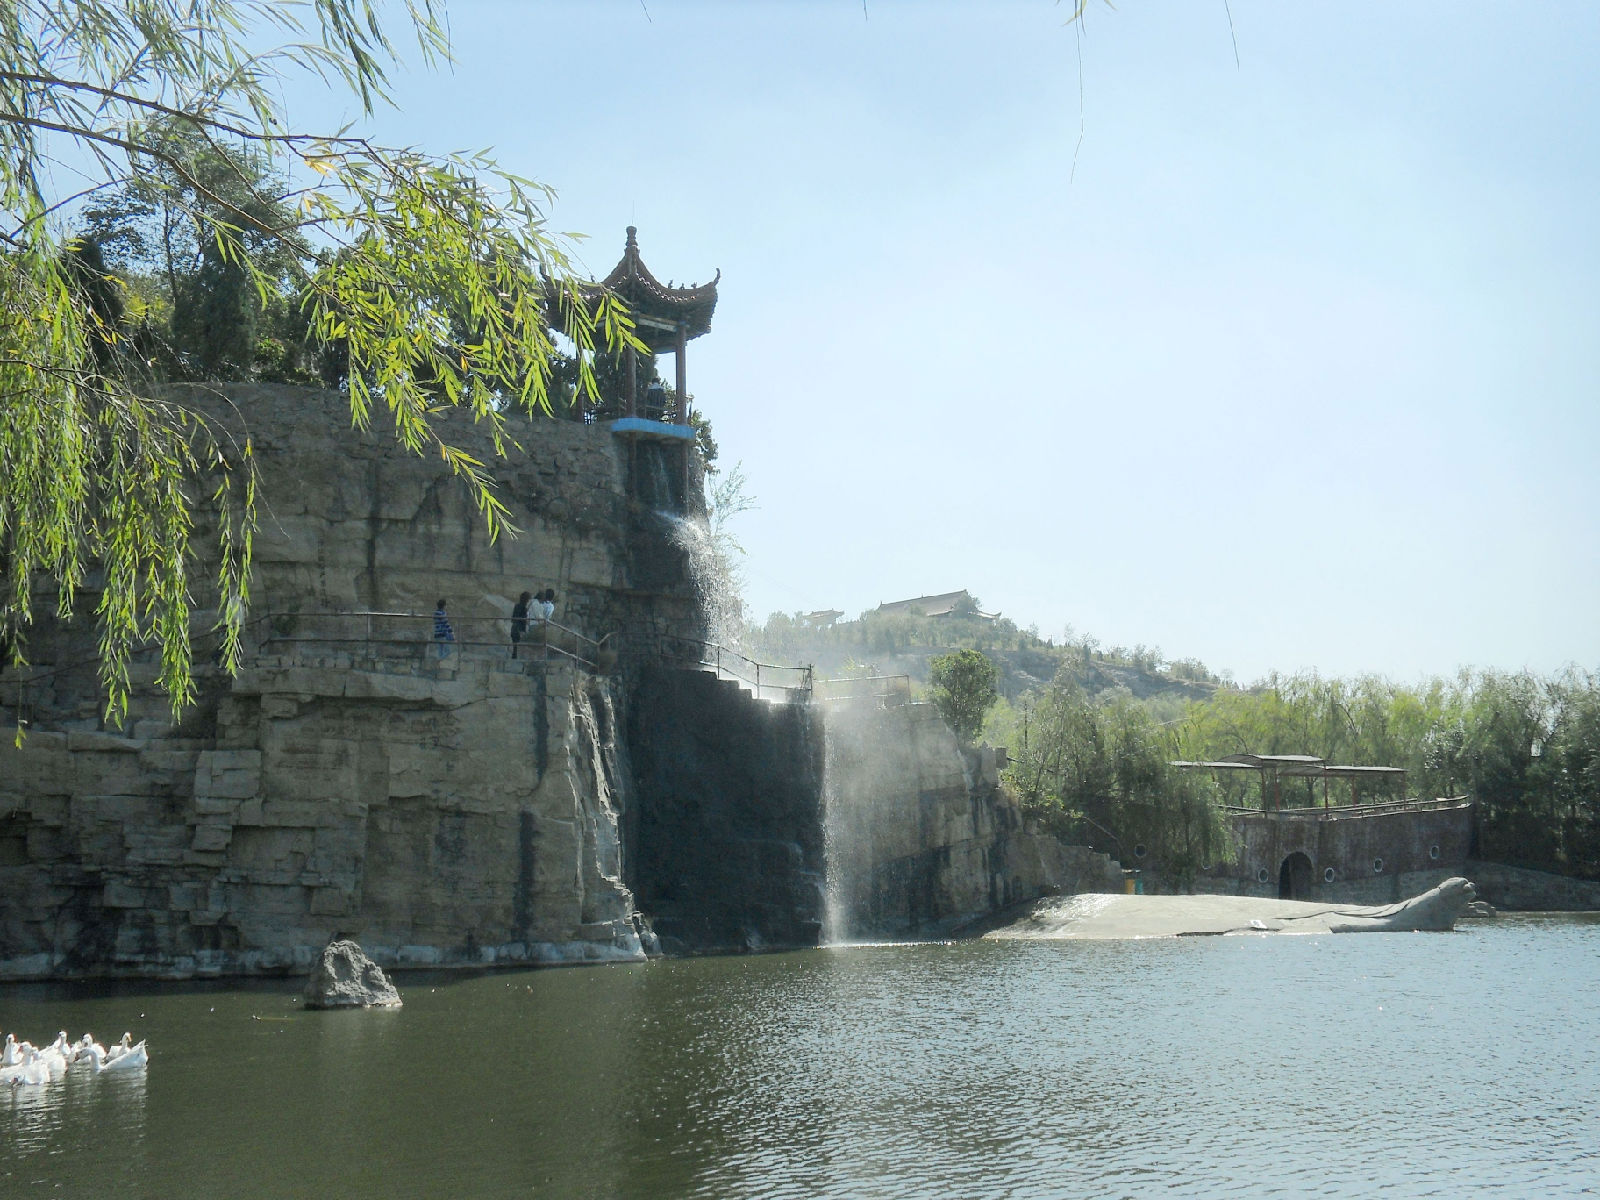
(442, 633)
(519, 620)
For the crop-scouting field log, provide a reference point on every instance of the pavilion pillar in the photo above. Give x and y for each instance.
(633, 383)
(683, 374)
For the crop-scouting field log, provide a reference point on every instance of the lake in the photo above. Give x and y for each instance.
(1334, 1065)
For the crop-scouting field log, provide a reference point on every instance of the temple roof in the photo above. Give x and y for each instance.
(658, 307)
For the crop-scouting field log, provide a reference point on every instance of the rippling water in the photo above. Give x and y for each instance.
(1396, 1064)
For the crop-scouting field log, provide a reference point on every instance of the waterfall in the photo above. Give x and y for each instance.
(836, 852)
(861, 812)
(659, 483)
(711, 571)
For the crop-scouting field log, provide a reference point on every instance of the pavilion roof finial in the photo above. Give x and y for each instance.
(659, 309)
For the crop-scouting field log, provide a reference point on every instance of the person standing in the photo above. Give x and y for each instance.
(519, 620)
(442, 633)
(547, 610)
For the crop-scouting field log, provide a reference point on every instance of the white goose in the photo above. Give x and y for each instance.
(12, 1054)
(118, 1049)
(54, 1056)
(31, 1071)
(130, 1060)
(87, 1049)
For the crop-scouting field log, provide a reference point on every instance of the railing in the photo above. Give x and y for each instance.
(896, 688)
(1375, 808)
(769, 681)
(410, 635)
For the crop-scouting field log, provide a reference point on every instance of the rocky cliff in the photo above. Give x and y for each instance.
(921, 837)
(457, 805)
(349, 780)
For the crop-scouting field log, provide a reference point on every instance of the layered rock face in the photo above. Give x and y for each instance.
(920, 835)
(350, 781)
(728, 821)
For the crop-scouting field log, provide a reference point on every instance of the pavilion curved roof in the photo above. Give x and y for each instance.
(657, 308)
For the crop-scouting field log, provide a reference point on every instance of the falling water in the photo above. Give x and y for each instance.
(714, 577)
(835, 905)
(863, 812)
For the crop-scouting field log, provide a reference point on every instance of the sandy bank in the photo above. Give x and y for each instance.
(1100, 916)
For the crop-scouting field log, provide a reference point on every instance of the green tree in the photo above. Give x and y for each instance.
(103, 473)
(223, 321)
(1101, 774)
(963, 689)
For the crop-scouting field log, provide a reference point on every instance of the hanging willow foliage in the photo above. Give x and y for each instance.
(103, 474)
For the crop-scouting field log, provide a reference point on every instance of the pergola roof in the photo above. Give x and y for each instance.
(1292, 764)
(657, 308)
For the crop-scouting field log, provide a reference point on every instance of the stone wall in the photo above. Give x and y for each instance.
(1375, 858)
(1518, 889)
(921, 837)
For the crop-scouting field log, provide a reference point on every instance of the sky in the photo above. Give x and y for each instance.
(1265, 333)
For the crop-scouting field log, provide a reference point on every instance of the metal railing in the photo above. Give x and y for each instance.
(769, 681)
(1374, 808)
(896, 688)
(411, 635)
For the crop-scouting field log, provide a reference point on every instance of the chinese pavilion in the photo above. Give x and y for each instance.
(666, 319)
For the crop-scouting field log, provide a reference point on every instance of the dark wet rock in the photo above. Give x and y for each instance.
(344, 977)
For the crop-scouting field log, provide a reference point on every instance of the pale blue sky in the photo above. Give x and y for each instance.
(1289, 364)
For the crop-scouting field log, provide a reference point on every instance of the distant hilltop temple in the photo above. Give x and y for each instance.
(946, 604)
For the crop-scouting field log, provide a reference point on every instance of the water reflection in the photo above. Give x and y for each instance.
(1340, 1065)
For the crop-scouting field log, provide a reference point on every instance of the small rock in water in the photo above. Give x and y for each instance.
(344, 977)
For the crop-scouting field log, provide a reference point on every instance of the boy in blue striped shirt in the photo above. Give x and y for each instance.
(442, 633)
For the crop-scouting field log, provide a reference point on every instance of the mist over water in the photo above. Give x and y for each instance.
(835, 846)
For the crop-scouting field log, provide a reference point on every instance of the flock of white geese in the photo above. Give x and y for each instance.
(22, 1064)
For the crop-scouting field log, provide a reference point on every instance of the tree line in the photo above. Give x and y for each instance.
(1524, 747)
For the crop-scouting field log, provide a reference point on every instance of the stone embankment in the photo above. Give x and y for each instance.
(457, 815)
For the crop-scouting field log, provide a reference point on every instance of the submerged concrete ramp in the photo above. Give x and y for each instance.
(1108, 916)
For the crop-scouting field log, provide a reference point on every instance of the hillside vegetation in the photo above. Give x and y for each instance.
(895, 644)
(1092, 733)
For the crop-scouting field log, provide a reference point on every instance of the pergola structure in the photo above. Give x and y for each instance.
(1274, 768)
(666, 317)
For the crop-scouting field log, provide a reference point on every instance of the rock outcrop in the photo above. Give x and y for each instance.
(469, 808)
(727, 823)
(921, 837)
(344, 977)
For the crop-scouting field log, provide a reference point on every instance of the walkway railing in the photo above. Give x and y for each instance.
(896, 688)
(410, 635)
(1337, 812)
(769, 681)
